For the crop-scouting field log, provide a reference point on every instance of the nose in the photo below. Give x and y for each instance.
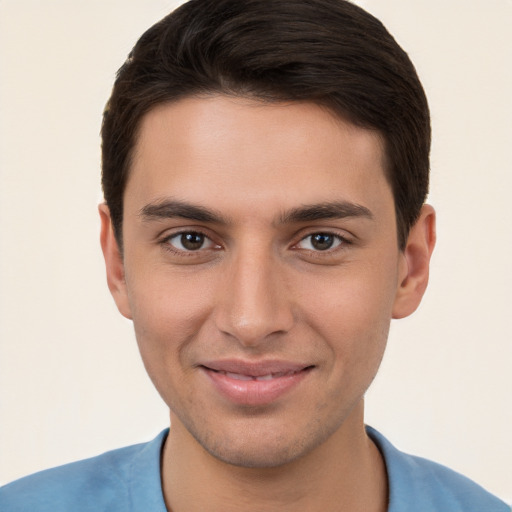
(254, 305)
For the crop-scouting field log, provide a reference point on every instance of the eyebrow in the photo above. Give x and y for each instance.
(172, 208)
(329, 210)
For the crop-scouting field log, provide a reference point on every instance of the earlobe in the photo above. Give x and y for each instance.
(414, 267)
(113, 262)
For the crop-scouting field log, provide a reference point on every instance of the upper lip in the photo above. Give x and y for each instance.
(256, 368)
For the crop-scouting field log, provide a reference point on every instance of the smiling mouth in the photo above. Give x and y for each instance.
(256, 385)
(260, 378)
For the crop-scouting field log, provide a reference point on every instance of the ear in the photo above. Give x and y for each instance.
(113, 262)
(415, 262)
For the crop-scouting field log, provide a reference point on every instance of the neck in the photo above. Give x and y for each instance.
(345, 473)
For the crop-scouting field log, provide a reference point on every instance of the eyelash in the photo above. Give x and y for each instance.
(165, 243)
(340, 241)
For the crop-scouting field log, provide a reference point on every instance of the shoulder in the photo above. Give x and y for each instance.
(96, 484)
(69, 487)
(415, 480)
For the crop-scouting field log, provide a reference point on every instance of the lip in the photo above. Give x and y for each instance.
(254, 383)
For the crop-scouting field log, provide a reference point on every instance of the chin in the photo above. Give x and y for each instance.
(251, 455)
(260, 446)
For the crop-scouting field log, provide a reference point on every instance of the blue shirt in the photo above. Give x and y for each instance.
(128, 480)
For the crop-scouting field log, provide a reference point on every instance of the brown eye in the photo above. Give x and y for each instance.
(320, 242)
(190, 241)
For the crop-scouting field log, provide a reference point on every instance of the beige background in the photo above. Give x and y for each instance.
(71, 383)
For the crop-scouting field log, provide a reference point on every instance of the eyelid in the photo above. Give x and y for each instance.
(164, 241)
(343, 237)
(338, 240)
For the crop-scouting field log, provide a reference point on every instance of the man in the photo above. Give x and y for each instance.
(265, 167)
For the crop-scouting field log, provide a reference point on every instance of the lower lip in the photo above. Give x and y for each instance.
(254, 392)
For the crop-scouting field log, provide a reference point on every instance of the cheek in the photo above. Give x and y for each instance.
(359, 298)
(168, 311)
(352, 312)
(166, 320)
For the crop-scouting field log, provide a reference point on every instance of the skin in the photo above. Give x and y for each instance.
(256, 288)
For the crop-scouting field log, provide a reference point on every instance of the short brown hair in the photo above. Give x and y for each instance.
(329, 52)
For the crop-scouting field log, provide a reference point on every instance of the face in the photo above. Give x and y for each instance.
(261, 270)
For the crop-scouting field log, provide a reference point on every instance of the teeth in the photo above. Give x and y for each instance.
(266, 377)
(270, 376)
(237, 376)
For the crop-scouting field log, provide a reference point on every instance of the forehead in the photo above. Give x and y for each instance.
(240, 150)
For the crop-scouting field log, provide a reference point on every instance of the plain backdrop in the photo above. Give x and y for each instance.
(71, 382)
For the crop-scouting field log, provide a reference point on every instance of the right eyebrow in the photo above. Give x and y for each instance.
(172, 208)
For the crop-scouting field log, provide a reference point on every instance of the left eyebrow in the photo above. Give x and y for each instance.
(324, 211)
